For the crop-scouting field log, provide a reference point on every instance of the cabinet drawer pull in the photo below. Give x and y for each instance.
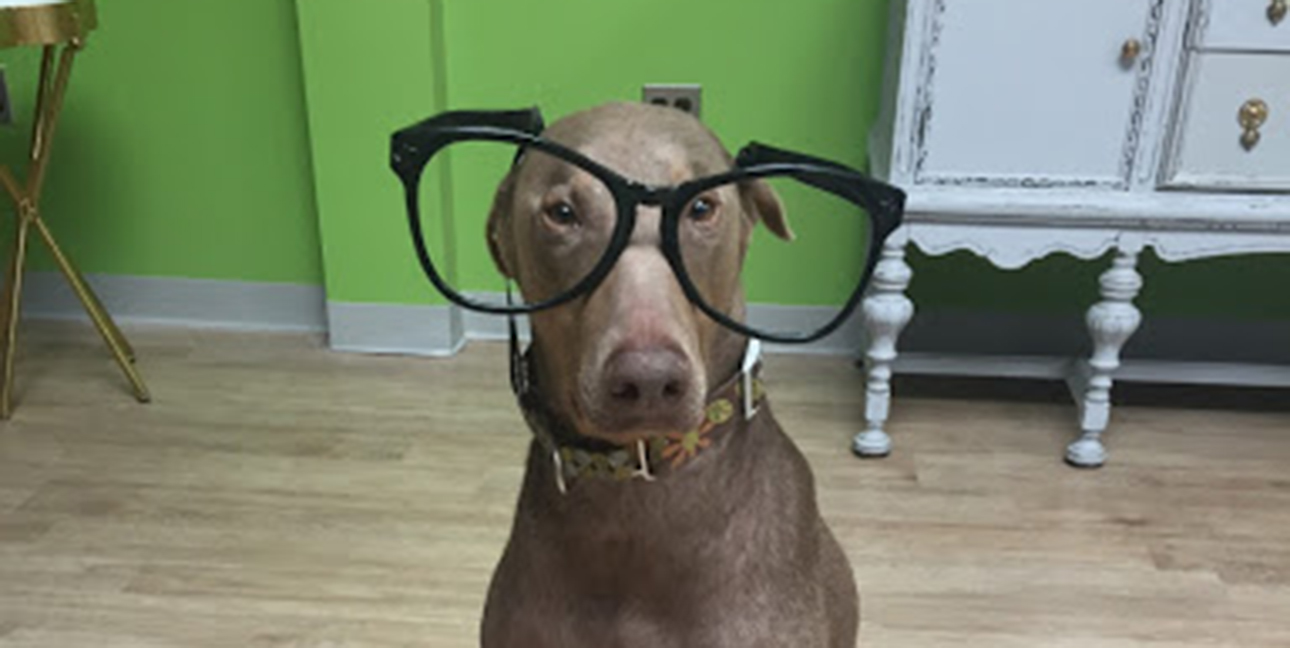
(1277, 11)
(1251, 117)
(1130, 50)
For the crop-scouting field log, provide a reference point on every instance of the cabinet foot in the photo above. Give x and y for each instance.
(871, 444)
(1086, 452)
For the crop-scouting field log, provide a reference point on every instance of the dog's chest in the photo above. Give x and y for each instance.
(599, 622)
(725, 555)
(634, 593)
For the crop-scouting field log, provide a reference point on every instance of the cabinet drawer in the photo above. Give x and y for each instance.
(1240, 25)
(1207, 151)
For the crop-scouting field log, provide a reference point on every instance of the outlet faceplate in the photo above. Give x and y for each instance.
(6, 110)
(687, 97)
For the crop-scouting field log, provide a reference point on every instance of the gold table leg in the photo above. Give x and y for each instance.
(49, 103)
(13, 294)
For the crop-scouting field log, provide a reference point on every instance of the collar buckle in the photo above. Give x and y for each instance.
(752, 355)
(642, 471)
(560, 484)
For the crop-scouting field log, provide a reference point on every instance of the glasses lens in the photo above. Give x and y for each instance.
(794, 287)
(553, 221)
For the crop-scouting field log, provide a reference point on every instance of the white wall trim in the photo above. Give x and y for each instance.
(201, 303)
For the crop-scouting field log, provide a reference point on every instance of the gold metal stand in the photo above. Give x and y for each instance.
(64, 24)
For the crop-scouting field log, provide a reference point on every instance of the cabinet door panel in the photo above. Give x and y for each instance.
(1033, 92)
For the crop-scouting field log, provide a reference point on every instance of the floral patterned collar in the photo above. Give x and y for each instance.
(575, 457)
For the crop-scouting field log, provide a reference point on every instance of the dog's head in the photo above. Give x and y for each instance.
(634, 357)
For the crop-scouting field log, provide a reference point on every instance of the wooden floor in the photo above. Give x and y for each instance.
(277, 494)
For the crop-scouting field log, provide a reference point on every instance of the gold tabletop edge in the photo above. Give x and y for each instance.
(46, 24)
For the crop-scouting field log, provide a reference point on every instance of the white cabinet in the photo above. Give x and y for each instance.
(1022, 128)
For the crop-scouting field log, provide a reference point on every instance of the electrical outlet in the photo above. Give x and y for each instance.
(687, 97)
(6, 110)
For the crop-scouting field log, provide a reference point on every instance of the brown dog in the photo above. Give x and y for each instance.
(723, 547)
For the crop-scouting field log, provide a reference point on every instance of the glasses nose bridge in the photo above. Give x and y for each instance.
(648, 195)
(640, 195)
(646, 226)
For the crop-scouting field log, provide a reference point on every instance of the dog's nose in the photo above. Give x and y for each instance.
(646, 385)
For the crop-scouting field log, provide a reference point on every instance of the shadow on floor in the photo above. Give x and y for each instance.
(1201, 397)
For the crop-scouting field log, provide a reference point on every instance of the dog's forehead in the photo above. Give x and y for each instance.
(650, 144)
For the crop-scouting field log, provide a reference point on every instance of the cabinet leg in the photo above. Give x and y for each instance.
(886, 311)
(1110, 322)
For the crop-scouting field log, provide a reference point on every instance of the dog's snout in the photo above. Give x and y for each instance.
(647, 377)
(647, 388)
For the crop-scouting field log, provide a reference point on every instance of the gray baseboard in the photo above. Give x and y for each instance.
(416, 330)
(358, 327)
(203, 303)
(1244, 374)
(1163, 350)
(1003, 337)
(962, 342)
(847, 340)
(395, 328)
(1158, 338)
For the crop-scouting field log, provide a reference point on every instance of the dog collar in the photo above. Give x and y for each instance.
(573, 456)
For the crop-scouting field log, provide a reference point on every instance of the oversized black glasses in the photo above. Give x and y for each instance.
(840, 218)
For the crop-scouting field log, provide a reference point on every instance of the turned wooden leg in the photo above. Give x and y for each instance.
(886, 311)
(1110, 322)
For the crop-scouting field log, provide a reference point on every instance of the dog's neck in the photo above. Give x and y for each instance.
(637, 539)
(576, 458)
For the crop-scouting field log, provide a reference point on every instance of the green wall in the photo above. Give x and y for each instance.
(186, 149)
(182, 150)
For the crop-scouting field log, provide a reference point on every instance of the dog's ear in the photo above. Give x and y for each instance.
(500, 242)
(761, 203)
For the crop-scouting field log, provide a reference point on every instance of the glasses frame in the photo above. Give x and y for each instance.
(412, 148)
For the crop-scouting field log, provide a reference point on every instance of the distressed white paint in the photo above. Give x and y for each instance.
(941, 135)
(1171, 211)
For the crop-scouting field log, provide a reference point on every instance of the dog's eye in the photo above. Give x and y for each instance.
(701, 209)
(562, 214)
